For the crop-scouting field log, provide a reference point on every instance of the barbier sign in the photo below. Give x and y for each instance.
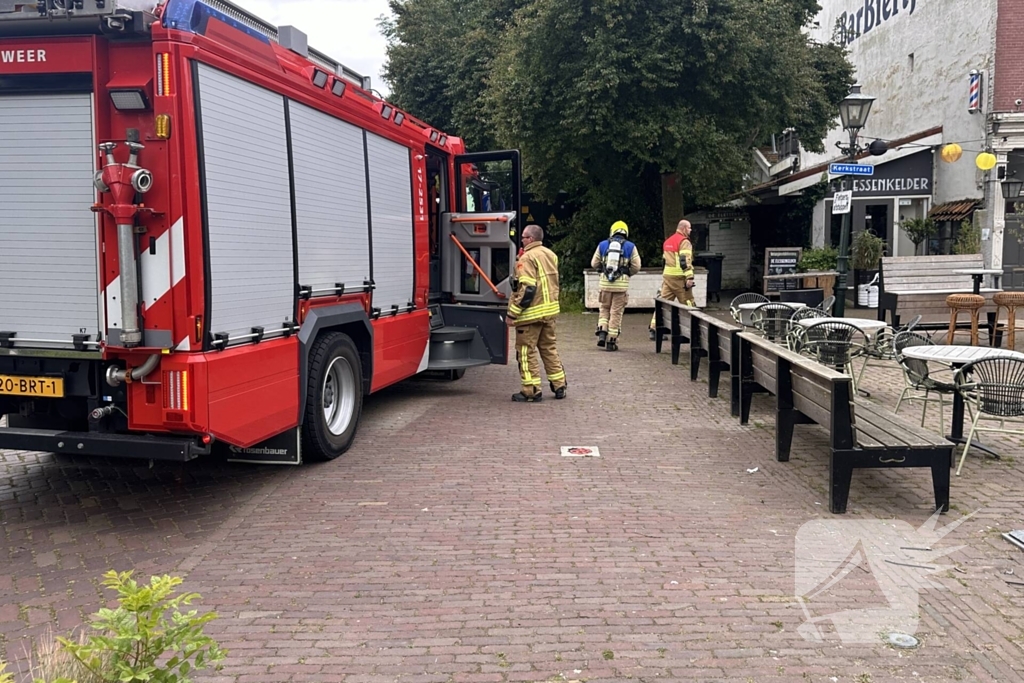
(871, 14)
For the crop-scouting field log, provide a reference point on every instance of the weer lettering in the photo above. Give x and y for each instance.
(22, 56)
(851, 25)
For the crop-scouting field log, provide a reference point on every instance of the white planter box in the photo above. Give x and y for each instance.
(644, 288)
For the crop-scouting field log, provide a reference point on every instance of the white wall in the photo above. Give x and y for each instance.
(735, 244)
(948, 39)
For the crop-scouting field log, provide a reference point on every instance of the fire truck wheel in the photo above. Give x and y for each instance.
(334, 398)
(456, 374)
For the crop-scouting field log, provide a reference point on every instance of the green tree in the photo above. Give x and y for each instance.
(604, 96)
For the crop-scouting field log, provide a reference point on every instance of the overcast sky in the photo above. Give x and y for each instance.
(345, 30)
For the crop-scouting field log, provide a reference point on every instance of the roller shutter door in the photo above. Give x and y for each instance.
(390, 171)
(49, 288)
(248, 204)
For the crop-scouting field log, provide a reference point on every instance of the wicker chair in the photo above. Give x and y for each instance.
(834, 343)
(827, 304)
(994, 387)
(772, 321)
(747, 298)
(917, 377)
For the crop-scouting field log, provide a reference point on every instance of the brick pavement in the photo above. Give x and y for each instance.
(454, 544)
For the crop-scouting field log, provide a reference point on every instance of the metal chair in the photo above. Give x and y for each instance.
(827, 304)
(793, 339)
(995, 389)
(880, 351)
(917, 377)
(772, 321)
(747, 298)
(835, 344)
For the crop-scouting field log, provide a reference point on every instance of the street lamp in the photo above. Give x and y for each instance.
(1012, 188)
(853, 112)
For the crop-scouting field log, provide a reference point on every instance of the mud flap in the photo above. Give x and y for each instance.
(283, 449)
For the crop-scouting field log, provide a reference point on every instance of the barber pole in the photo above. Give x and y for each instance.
(974, 99)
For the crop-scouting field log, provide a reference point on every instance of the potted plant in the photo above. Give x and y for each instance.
(866, 252)
(917, 230)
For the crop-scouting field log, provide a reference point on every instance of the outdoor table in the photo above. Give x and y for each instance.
(868, 327)
(957, 357)
(747, 309)
(978, 274)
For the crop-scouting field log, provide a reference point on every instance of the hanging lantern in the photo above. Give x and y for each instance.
(952, 152)
(986, 161)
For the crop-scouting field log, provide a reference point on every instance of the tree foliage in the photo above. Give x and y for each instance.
(603, 96)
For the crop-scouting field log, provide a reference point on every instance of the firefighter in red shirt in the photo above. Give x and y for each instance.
(677, 277)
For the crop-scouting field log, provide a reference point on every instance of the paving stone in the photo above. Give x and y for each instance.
(495, 559)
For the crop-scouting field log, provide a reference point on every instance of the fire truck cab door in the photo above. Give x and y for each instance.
(480, 239)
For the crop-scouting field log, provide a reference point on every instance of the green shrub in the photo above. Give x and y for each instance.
(968, 239)
(147, 639)
(818, 259)
(4, 676)
(918, 230)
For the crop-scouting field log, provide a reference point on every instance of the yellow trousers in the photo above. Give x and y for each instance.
(536, 343)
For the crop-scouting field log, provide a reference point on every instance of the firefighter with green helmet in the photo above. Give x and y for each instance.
(616, 258)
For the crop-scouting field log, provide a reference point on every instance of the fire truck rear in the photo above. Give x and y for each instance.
(213, 235)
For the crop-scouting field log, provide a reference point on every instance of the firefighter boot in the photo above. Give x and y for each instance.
(612, 345)
(651, 334)
(523, 398)
(560, 391)
(602, 336)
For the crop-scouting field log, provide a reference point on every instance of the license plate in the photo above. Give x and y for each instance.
(45, 387)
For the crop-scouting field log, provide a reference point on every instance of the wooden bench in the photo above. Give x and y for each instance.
(918, 285)
(861, 435)
(707, 337)
(673, 318)
(715, 340)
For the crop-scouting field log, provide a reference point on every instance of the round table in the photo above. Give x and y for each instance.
(957, 357)
(747, 309)
(865, 325)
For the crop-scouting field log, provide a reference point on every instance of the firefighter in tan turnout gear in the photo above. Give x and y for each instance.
(617, 259)
(532, 311)
(677, 278)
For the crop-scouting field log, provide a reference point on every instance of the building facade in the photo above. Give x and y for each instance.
(941, 72)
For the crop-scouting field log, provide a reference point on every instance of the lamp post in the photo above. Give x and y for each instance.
(853, 112)
(1012, 188)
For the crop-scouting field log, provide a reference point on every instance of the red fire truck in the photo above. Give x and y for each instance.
(212, 234)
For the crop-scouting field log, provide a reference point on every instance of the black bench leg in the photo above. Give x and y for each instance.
(714, 373)
(839, 476)
(734, 395)
(676, 343)
(940, 482)
(746, 395)
(785, 421)
(695, 355)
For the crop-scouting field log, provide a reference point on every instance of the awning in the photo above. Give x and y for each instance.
(954, 211)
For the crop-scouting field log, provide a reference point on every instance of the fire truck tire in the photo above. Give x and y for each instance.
(456, 374)
(334, 398)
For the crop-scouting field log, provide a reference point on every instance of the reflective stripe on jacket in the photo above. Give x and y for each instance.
(678, 254)
(538, 268)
